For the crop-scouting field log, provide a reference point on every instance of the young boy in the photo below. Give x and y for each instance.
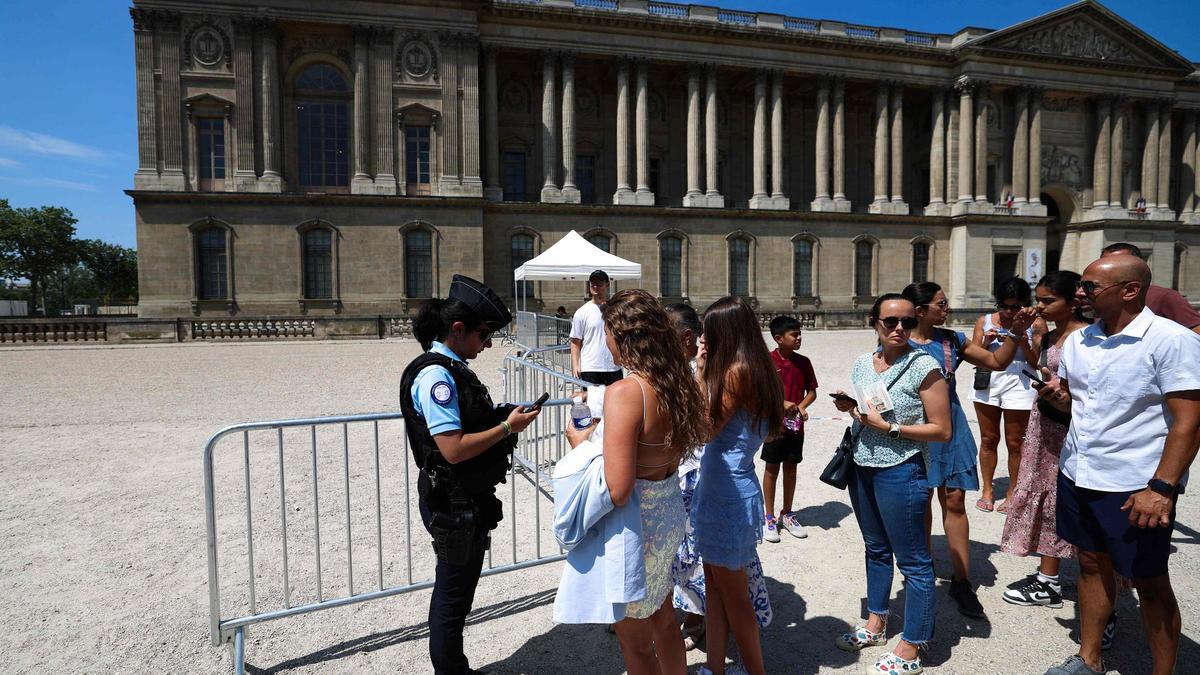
(799, 392)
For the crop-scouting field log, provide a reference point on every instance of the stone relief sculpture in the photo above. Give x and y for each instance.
(416, 59)
(1076, 39)
(207, 46)
(1061, 166)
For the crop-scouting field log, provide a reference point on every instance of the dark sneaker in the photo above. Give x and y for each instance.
(968, 602)
(1074, 666)
(1032, 592)
(1110, 633)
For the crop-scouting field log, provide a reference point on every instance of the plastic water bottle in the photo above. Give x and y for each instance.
(581, 414)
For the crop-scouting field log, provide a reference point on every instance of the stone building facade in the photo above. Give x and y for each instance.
(301, 157)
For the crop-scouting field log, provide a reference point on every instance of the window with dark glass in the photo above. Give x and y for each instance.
(521, 251)
(323, 128)
(739, 267)
(1176, 266)
(670, 267)
(864, 253)
(600, 241)
(802, 267)
(212, 262)
(585, 178)
(318, 264)
(416, 160)
(1004, 266)
(210, 138)
(418, 264)
(655, 167)
(920, 262)
(514, 176)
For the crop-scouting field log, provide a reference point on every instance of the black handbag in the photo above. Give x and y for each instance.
(837, 471)
(983, 379)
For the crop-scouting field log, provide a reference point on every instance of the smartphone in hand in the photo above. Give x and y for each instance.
(538, 403)
(839, 396)
(1034, 380)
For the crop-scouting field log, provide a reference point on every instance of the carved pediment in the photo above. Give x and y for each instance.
(1074, 38)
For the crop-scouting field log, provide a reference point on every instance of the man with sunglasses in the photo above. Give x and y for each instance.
(1132, 387)
(1165, 302)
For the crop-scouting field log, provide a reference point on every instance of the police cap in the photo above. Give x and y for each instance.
(491, 310)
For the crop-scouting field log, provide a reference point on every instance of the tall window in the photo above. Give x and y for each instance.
(739, 267)
(418, 264)
(521, 251)
(210, 153)
(920, 262)
(212, 262)
(600, 241)
(585, 178)
(318, 264)
(802, 268)
(514, 176)
(655, 173)
(864, 254)
(323, 128)
(670, 267)
(416, 161)
(1177, 267)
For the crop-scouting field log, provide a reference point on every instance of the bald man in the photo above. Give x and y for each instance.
(1163, 301)
(1131, 386)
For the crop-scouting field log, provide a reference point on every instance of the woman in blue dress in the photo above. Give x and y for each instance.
(952, 466)
(745, 402)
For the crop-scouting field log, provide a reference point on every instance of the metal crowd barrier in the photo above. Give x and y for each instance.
(534, 331)
(359, 482)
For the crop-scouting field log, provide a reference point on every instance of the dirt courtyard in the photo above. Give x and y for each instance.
(102, 532)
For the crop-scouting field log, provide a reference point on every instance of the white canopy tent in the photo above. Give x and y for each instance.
(572, 257)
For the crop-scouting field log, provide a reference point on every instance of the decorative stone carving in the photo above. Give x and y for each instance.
(416, 59)
(1061, 104)
(515, 97)
(657, 108)
(208, 46)
(320, 44)
(1062, 166)
(1076, 39)
(586, 103)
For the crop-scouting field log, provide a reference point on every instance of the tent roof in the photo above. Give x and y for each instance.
(573, 257)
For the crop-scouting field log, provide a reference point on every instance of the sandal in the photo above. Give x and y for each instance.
(891, 664)
(859, 638)
(985, 505)
(693, 637)
(1002, 506)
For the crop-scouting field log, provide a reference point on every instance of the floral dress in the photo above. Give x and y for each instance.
(1030, 526)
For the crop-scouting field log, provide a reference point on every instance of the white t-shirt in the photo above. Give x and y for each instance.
(588, 325)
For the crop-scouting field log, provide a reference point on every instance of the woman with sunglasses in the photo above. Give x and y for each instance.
(1008, 395)
(952, 466)
(889, 489)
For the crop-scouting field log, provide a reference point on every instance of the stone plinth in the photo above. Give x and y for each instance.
(827, 205)
(767, 203)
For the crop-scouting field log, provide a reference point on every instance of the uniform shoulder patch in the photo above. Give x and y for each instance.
(442, 393)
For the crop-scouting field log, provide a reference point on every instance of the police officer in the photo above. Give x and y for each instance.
(462, 444)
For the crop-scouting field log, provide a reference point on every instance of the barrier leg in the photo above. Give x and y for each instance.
(239, 651)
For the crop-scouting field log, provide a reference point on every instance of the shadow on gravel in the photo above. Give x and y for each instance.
(391, 638)
(1130, 655)
(795, 642)
(565, 648)
(826, 516)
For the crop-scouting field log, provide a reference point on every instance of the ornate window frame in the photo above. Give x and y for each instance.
(912, 258)
(415, 114)
(517, 143)
(613, 239)
(815, 298)
(873, 285)
(208, 105)
(751, 264)
(291, 119)
(435, 241)
(229, 303)
(333, 302)
(685, 247)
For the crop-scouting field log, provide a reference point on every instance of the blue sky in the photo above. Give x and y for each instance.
(68, 127)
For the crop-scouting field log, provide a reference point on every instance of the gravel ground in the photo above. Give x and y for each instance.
(103, 539)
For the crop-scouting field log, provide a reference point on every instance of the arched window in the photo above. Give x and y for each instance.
(601, 241)
(520, 252)
(670, 267)
(418, 264)
(212, 264)
(920, 261)
(864, 263)
(318, 264)
(323, 127)
(802, 268)
(739, 267)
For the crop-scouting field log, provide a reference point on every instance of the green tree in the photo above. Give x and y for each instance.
(113, 267)
(35, 243)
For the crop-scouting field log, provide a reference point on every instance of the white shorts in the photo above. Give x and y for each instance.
(1008, 391)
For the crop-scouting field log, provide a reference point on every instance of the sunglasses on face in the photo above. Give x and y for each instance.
(890, 323)
(1091, 288)
(484, 335)
(1010, 308)
(941, 304)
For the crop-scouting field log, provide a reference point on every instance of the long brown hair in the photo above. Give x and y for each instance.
(734, 343)
(649, 345)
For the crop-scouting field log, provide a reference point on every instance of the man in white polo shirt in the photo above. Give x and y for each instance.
(591, 361)
(1132, 386)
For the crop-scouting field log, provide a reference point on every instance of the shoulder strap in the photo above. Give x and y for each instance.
(913, 357)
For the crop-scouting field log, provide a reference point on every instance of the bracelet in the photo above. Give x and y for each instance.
(507, 427)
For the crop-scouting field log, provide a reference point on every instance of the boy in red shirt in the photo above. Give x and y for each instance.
(799, 391)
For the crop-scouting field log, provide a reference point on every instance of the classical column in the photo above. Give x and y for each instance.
(839, 144)
(361, 183)
(172, 105)
(244, 177)
(881, 147)
(450, 182)
(1150, 155)
(898, 149)
(981, 143)
(822, 169)
(570, 193)
(1188, 182)
(382, 62)
(937, 152)
(1101, 158)
(1164, 158)
(780, 201)
(268, 40)
(494, 191)
(694, 192)
(550, 191)
(1035, 147)
(1020, 150)
(712, 193)
(966, 126)
(1116, 163)
(143, 49)
(641, 128)
(760, 141)
(951, 166)
(469, 70)
(623, 189)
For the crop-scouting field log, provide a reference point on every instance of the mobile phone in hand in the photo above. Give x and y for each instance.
(839, 396)
(538, 403)
(1035, 381)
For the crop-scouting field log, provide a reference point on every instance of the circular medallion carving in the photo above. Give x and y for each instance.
(417, 60)
(514, 98)
(208, 48)
(585, 101)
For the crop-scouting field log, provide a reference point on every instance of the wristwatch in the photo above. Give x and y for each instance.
(894, 431)
(1162, 487)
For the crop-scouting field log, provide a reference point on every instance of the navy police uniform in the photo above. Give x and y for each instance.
(458, 503)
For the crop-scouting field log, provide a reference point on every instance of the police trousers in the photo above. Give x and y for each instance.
(453, 593)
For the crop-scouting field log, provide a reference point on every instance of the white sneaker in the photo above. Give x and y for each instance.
(788, 521)
(771, 530)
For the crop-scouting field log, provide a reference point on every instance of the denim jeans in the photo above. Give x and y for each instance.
(890, 505)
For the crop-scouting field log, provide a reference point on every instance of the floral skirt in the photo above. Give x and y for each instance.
(663, 523)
